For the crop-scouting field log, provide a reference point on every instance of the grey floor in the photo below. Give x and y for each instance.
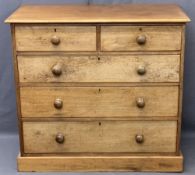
(9, 149)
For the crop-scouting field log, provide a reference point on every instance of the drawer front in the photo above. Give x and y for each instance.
(55, 38)
(140, 38)
(99, 136)
(123, 68)
(99, 101)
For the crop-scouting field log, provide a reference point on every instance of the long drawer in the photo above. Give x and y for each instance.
(99, 101)
(140, 38)
(55, 38)
(99, 136)
(118, 68)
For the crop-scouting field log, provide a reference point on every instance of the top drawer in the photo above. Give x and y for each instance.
(141, 38)
(55, 38)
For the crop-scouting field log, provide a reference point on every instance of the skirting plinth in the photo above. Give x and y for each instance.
(154, 163)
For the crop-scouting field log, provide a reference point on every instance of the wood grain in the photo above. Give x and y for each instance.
(103, 163)
(97, 53)
(99, 101)
(99, 85)
(16, 78)
(96, 84)
(120, 13)
(72, 38)
(181, 90)
(102, 136)
(81, 119)
(123, 38)
(120, 68)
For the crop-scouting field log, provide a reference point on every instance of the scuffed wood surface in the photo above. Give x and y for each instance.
(38, 38)
(104, 163)
(102, 136)
(123, 38)
(99, 101)
(133, 13)
(119, 68)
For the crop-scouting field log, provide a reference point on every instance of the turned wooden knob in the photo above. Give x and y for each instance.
(55, 40)
(140, 102)
(139, 138)
(141, 70)
(58, 103)
(57, 69)
(60, 138)
(141, 39)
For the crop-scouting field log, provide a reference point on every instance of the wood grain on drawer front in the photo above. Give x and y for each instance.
(100, 136)
(99, 102)
(72, 38)
(159, 68)
(123, 38)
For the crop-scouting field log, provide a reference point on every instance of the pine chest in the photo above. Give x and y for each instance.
(99, 88)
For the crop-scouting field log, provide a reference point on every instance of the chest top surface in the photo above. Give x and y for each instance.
(123, 13)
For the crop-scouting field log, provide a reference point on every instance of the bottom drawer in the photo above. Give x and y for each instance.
(99, 136)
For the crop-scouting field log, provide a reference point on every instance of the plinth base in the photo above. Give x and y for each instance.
(154, 163)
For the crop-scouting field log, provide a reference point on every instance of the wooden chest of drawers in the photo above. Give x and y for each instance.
(99, 88)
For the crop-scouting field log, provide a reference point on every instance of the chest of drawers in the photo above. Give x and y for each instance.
(99, 88)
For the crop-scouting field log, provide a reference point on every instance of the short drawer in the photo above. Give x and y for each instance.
(99, 101)
(141, 38)
(55, 38)
(100, 136)
(104, 68)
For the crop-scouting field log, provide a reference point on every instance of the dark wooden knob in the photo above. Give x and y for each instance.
(57, 70)
(140, 102)
(55, 40)
(139, 138)
(58, 103)
(141, 70)
(141, 39)
(60, 138)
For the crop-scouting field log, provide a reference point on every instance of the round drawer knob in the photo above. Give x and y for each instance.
(141, 70)
(141, 39)
(140, 102)
(57, 70)
(139, 138)
(60, 138)
(58, 103)
(55, 40)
